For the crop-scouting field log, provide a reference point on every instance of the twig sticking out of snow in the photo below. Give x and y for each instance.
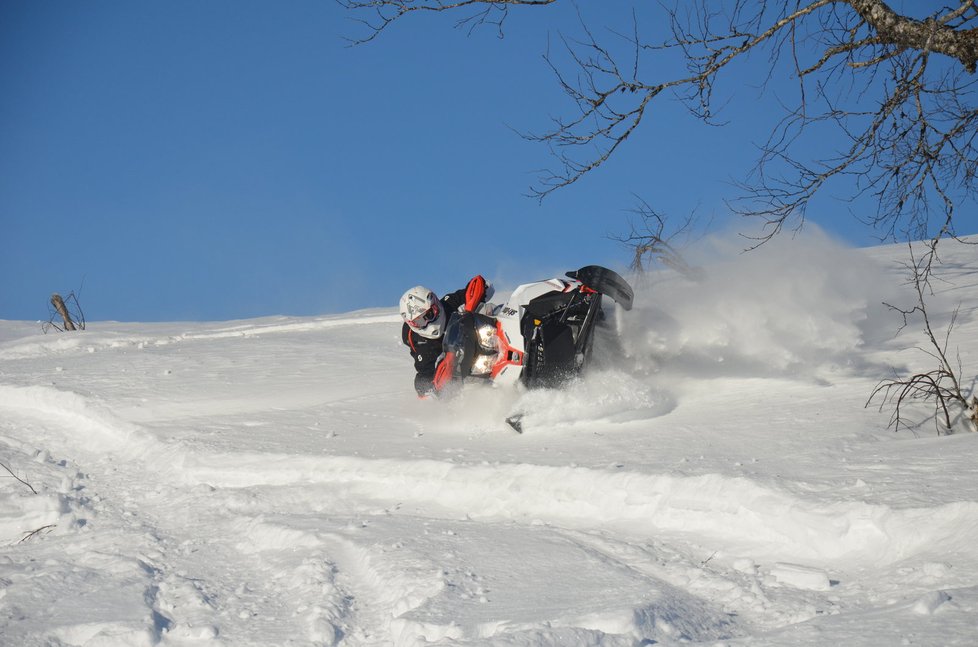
(33, 491)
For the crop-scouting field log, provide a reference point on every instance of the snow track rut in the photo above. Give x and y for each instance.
(307, 555)
(758, 519)
(237, 580)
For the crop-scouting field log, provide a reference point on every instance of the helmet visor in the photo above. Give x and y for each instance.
(426, 317)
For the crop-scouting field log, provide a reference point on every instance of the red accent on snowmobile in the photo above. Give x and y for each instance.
(508, 356)
(444, 372)
(475, 292)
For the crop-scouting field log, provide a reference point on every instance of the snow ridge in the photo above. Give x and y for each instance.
(735, 509)
(761, 522)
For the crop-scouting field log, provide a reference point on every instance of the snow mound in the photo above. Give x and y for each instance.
(79, 415)
(760, 522)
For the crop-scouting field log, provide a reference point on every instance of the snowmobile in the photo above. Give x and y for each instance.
(541, 337)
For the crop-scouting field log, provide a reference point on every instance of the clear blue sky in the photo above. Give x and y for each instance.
(227, 159)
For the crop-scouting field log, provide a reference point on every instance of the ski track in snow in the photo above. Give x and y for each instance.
(275, 483)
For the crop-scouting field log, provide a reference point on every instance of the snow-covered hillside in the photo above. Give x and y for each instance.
(276, 481)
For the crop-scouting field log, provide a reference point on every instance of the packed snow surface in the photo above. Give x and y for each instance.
(716, 479)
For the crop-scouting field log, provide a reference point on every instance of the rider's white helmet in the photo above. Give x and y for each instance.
(423, 312)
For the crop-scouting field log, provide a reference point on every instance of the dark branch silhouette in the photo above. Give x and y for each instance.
(900, 89)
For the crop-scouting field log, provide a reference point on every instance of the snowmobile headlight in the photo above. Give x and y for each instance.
(487, 337)
(483, 364)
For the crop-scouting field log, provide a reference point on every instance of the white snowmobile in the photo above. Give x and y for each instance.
(542, 336)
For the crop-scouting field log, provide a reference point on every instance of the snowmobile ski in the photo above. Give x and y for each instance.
(608, 282)
(516, 422)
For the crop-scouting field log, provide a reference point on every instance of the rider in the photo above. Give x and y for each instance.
(425, 318)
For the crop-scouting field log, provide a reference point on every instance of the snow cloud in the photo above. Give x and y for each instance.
(795, 302)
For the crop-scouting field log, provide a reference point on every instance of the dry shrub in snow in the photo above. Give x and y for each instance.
(954, 406)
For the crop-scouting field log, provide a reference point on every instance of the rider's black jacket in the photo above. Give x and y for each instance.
(426, 351)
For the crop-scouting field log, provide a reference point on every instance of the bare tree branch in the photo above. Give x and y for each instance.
(941, 386)
(386, 12)
(932, 34)
(9, 471)
(900, 89)
(33, 533)
(654, 242)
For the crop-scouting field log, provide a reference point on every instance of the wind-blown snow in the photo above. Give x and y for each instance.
(715, 479)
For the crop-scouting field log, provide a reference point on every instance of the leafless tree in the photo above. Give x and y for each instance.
(899, 88)
(942, 386)
(67, 311)
(653, 241)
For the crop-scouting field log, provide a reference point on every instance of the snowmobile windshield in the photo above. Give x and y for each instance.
(472, 339)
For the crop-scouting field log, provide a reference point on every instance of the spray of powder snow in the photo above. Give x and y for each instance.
(793, 306)
(609, 395)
